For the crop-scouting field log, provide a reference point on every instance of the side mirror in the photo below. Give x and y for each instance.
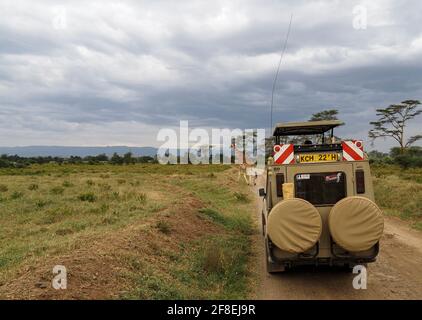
(261, 192)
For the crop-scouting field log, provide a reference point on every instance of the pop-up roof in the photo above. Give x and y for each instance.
(305, 128)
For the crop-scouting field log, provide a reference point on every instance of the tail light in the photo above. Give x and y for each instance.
(360, 181)
(279, 179)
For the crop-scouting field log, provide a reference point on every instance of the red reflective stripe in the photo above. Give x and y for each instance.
(293, 160)
(285, 154)
(351, 152)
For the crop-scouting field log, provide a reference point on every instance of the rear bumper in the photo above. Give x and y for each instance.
(338, 257)
(322, 262)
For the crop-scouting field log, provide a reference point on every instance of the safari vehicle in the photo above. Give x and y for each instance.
(318, 204)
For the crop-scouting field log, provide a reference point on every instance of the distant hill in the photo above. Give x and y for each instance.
(62, 151)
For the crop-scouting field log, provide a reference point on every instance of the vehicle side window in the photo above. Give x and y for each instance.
(324, 188)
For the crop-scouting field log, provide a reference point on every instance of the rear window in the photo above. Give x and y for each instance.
(321, 188)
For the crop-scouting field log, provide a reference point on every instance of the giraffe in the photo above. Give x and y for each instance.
(246, 167)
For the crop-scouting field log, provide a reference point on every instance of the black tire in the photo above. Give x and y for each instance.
(263, 223)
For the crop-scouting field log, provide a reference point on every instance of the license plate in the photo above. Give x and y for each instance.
(318, 157)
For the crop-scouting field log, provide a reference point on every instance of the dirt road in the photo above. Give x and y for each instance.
(397, 273)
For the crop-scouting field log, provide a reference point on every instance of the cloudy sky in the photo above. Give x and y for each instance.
(115, 72)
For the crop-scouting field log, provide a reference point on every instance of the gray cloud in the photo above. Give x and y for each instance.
(115, 72)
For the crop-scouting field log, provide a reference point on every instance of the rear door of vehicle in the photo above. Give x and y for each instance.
(322, 184)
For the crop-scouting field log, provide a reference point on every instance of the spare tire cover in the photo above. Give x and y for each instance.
(294, 225)
(356, 223)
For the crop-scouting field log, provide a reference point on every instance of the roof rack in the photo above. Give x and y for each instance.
(305, 128)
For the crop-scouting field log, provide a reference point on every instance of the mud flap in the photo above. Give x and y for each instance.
(272, 266)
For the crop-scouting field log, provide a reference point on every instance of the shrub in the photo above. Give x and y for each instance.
(219, 258)
(16, 195)
(213, 260)
(121, 181)
(104, 207)
(142, 197)
(90, 182)
(33, 186)
(5, 163)
(407, 161)
(156, 207)
(57, 190)
(163, 226)
(67, 184)
(109, 219)
(40, 203)
(241, 197)
(105, 186)
(382, 161)
(63, 232)
(214, 215)
(90, 197)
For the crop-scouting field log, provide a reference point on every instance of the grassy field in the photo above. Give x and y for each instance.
(399, 192)
(140, 231)
(144, 231)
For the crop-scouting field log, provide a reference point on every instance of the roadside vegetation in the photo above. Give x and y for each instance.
(399, 192)
(144, 231)
(214, 266)
(398, 173)
(407, 159)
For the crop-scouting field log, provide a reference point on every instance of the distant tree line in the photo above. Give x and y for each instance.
(10, 161)
(412, 158)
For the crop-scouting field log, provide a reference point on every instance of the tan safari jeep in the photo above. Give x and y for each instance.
(318, 204)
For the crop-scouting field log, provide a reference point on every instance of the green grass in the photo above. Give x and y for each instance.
(412, 174)
(241, 223)
(418, 225)
(68, 202)
(223, 204)
(211, 268)
(214, 267)
(399, 192)
(52, 210)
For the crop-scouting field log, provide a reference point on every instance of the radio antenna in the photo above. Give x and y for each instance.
(278, 70)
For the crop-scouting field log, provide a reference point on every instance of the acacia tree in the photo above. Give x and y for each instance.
(329, 114)
(325, 115)
(392, 122)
